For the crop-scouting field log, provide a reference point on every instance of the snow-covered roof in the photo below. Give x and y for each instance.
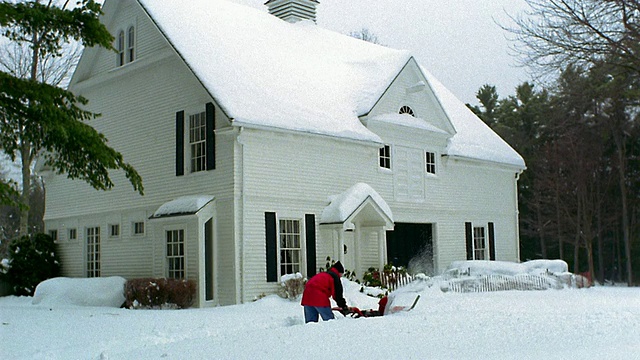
(267, 72)
(184, 205)
(473, 139)
(343, 205)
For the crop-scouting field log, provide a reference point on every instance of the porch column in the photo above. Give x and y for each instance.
(341, 245)
(357, 237)
(382, 247)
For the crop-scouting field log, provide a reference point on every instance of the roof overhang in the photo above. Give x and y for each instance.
(183, 206)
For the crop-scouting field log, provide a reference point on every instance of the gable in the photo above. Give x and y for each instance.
(98, 63)
(411, 88)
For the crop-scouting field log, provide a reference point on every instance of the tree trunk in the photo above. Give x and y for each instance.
(541, 234)
(576, 245)
(621, 152)
(26, 190)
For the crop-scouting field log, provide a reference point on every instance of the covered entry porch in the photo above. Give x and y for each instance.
(354, 226)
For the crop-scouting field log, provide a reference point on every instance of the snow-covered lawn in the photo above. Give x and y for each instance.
(594, 323)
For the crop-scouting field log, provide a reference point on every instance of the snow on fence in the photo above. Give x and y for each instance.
(501, 282)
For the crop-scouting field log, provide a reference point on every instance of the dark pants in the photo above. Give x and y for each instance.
(311, 313)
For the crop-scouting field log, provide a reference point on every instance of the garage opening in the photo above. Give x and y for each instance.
(411, 245)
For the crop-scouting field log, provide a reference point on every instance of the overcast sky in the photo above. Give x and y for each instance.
(458, 41)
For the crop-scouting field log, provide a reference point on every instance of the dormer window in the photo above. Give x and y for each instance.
(406, 110)
(120, 49)
(131, 35)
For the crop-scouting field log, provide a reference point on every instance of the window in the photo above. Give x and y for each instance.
(290, 247)
(138, 228)
(175, 254)
(73, 234)
(120, 49)
(479, 244)
(54, 234)
(430, 162)
(406, 110)
(93, 251)
(385, 157)
(198, 141)
(130, 44)
(114, 230)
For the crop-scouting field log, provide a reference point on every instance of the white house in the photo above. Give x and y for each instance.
(266, 146)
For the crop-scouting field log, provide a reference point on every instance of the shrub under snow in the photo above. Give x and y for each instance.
(107, 291)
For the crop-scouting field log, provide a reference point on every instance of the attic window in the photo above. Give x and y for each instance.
(120, 49)
(131, 35)
(406, 110)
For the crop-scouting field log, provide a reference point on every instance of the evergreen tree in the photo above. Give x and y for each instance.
(39, 119)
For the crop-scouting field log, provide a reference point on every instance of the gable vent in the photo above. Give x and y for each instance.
(293, 10)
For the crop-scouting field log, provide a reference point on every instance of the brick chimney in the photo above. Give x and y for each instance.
(293, 10)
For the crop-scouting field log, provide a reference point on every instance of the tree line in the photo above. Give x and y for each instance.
(579, 198)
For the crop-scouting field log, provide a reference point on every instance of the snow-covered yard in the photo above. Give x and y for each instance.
(593, 323)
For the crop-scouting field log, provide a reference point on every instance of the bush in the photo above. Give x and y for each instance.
(32, 259)
(292, 285)
(150, 293)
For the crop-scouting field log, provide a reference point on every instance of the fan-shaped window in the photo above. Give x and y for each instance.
(406, 110)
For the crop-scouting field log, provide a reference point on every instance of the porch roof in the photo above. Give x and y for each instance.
(184, 205)
(359, 203)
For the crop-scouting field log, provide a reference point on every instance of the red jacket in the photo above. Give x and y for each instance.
(321, 287)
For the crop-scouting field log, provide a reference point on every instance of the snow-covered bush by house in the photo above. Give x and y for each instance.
(159, 293)
(291, 286)
(107, 291)
(32, 259)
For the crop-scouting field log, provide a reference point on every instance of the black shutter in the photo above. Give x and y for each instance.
(310, 229)
(210, 137)
(271, 246)
(180, 143)
(208, 259)
(492, 242)
(469, 237)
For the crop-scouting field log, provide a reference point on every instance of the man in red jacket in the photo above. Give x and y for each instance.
(317, 292)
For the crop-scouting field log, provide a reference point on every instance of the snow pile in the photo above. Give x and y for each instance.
(106, 292)
(189, 204)
(341, 206)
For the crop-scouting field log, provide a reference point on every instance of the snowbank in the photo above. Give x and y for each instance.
(106, 292)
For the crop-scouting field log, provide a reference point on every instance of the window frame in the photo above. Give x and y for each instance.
(135, 227)
(179, 258)
(70, 232)
(54, 234)
(384, 157)
(290, 230)
(479, 243)
(114, 230)
(120, 46)
(197, 141)
(92, 246)
(406, 109)
(131, 35)
(430, 167)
